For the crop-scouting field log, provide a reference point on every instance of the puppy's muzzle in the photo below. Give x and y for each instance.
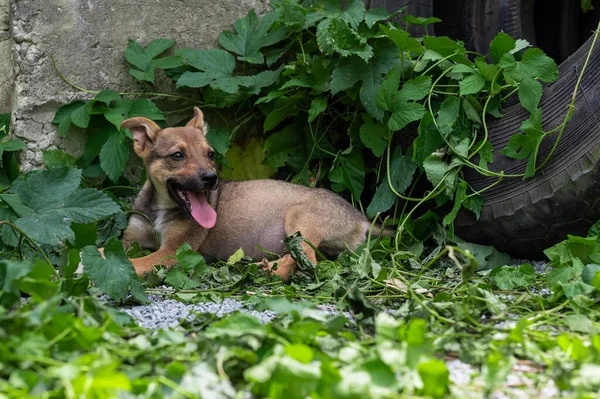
(209, 180)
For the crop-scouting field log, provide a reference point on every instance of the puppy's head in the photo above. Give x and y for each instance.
(180, 163)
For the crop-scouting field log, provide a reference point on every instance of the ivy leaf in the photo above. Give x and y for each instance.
(353, 69)
(251, 35)
(49, 224)
(530, 93)
(112, 274)
(435, 377)
(374, 135)
(428, 141)
(114, 154)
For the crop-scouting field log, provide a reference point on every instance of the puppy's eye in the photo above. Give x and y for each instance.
(178, 156)
(211, 154)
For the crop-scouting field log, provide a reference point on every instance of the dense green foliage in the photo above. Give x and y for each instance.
(332, 90)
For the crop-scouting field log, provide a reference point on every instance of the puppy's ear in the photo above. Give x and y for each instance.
(197, 122)
(143, 131)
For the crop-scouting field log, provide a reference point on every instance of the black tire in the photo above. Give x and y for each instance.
(477, 22)
(524, 217)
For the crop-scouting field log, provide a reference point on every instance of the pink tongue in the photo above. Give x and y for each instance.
(201, 210)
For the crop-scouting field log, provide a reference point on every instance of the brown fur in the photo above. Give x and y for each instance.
(249, 213)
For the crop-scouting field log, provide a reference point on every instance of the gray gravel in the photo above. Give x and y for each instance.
(164, 313)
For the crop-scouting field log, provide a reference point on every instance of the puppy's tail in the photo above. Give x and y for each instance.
(378, 230)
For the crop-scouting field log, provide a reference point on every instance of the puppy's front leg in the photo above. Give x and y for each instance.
(177, 233)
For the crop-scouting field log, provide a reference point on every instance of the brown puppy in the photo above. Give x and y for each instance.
(186, 202)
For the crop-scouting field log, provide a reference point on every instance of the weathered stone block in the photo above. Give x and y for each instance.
(87, 39)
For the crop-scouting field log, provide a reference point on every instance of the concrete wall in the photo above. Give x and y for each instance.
(6, 69)
(87, 39)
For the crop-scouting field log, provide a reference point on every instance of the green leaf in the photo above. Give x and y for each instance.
(374, 135)
(448, 114)
(415, 89)
(459, 196)
(435, 169)
(335, 36)
(216, 68)
(250, 36)
(280, 146)
(402, 39)
(218, 138)
(317, 106)
(68, 203)
(11, 145)
(376, 14)
(471, 84)
(246, 162)
(530, 93)
(591, 275)
(58, 159)
(353, 69)
(349, 171)
(521, 146)
(114, 154)
(107, 96)
(435, 377)
(146, 108)
(534, 64)
(387, 93)
(402, 170)
(405, 113)
(144, 58)
(112, 274)
(420, 21)
(284, 107)
(500, 45)
(352, 14)
(509, 278)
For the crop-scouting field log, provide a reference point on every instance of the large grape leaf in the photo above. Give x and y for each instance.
(54, 200)
(112, 273)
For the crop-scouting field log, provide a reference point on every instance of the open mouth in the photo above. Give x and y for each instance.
(194, 204)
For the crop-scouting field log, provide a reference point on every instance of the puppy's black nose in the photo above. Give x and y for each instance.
(209, 179)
